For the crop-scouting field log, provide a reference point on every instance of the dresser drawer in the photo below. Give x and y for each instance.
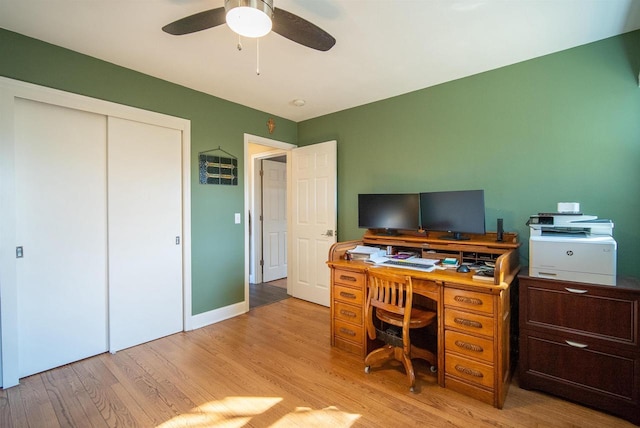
(354, 279)
(470, 346)
(349, 331)
(347, 312)
(348, 294)
(468, 300)
(579, 368)
(613, 316)
(471, 371)
(466, 321)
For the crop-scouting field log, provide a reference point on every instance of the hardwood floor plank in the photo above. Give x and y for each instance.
(38, 407)
(116, 408)
(70, 400)
(271, 367)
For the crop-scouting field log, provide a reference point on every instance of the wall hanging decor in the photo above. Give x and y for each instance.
(218, 168)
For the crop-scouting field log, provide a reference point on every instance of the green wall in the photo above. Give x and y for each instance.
(217, 243)
(560, 128)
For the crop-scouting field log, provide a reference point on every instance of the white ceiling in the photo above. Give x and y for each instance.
(384, 47)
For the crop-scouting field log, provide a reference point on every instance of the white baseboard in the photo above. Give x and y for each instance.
(207, 318)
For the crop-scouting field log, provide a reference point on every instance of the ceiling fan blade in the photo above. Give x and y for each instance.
(197, 22)
(301, 31)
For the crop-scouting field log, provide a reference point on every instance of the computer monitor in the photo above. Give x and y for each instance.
(389, 212)
(457, 212)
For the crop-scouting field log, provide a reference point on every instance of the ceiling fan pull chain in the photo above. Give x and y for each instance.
(239, 43)
(258, 56)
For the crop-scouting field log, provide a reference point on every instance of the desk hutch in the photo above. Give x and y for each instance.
(474, 316)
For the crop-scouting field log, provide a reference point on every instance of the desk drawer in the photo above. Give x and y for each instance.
(349, 331)
(346, 312)
(347, 277)
(468, 300)
(471, 371)
(465, 321)
(470, 346)
(348, 294)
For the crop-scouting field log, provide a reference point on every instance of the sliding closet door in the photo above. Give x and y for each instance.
(61, 225)
(145, 242)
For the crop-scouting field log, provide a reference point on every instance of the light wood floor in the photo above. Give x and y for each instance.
(272, 367)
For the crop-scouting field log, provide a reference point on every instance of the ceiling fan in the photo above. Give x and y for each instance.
(255, 18)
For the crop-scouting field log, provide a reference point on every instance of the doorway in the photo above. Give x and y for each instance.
(311, 210)
(266, 249)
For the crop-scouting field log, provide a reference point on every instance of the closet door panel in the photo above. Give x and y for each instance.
(60, 176)
(145, 222)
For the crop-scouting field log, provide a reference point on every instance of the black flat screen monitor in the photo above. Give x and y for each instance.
(389, 212)
(456, 212)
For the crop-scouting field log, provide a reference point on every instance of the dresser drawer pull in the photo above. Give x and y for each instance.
(575, 290)
(468, 300)
(575, 344)
(469, 346)
(347, 295)
(467, 323)
(348, 278)
(347, 313)
(347, 331)
(468, 371)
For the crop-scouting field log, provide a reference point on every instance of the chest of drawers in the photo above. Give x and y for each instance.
(581, 342)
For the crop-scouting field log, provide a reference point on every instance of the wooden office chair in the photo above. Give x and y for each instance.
(390, 300)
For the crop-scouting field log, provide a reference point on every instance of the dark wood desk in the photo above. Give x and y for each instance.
(474, 317)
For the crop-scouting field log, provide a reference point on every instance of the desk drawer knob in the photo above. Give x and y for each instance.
(469, 346)
(576, 344)
(347, 313)
(347, 331)
(468, 300)
(468, 371)
(347, 295)
(467, 323)
(348, 278)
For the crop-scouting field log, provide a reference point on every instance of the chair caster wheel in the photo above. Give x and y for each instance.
(433, 369)
(412, 389)
(367, 369)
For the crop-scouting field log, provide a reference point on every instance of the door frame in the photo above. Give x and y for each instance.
(279, 148)
(11, 89)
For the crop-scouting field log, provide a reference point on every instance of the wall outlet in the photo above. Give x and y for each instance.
(237, 218)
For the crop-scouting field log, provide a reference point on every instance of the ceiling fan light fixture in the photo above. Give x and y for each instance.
(249, 18)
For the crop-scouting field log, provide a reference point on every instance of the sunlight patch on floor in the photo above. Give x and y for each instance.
(328, 417)
(236, 412)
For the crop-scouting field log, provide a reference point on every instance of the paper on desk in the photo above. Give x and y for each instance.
(364, 249)
(379, 257)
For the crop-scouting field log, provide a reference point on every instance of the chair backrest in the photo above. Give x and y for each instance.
(389, 292)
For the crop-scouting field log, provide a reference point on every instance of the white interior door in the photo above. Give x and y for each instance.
(274, 220)
(145, 228)
(313, 226)
(61, 225)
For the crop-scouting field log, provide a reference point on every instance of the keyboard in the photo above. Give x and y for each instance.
(415, 264)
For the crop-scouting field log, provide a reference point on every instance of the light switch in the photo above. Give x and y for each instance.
(237, 218)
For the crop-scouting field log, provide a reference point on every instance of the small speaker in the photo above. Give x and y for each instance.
(500, 231)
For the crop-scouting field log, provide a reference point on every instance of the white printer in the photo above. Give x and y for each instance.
(571, 246)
